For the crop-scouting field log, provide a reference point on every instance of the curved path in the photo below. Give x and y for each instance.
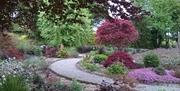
(67, 68)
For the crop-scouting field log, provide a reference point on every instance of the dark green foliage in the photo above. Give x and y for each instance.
(37, 50)
(160, 70)
(144, 30)
(164, 19)
(13, 83)
(98, 58)
(85, 49)
(151, 60)
(68, 34)
(117, 69)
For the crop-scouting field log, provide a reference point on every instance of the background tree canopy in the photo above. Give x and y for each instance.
(67, 22)
(163, 23)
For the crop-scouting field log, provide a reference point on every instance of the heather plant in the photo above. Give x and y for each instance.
(159, 70)
(147, 75)
(151, 60)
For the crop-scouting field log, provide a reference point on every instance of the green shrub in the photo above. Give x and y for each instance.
(13, 83)
(27, 45)
(87, 62)
(72, 52)
(76, 86)
(99, 58)
(160, 70)
(23, 43)
(59, 85)
(116, 69)
(151, 60)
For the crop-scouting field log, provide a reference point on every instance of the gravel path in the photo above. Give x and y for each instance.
(67, 68)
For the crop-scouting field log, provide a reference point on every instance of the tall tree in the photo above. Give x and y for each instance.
(165, 16)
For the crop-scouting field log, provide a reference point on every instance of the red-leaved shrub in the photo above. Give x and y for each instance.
(13, 52)
(50, 51)
(117, 32)
(7, 48)
(121, 57)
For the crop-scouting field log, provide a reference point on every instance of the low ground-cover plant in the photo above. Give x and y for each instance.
(171, 63)
(99, 58)
(90, 66)
(151, 60)
(88, 63)
(147, 75)
(177, 73)
(117, 69)
(36, 63)
(123, 83)
(14, 68)
(122, 57)
(76, 86)
(159, 70)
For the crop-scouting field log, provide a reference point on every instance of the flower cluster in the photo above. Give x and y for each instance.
(147, 75)
(13, 68)
(122, 57)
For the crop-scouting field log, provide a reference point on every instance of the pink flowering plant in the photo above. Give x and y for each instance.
(147, 75)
